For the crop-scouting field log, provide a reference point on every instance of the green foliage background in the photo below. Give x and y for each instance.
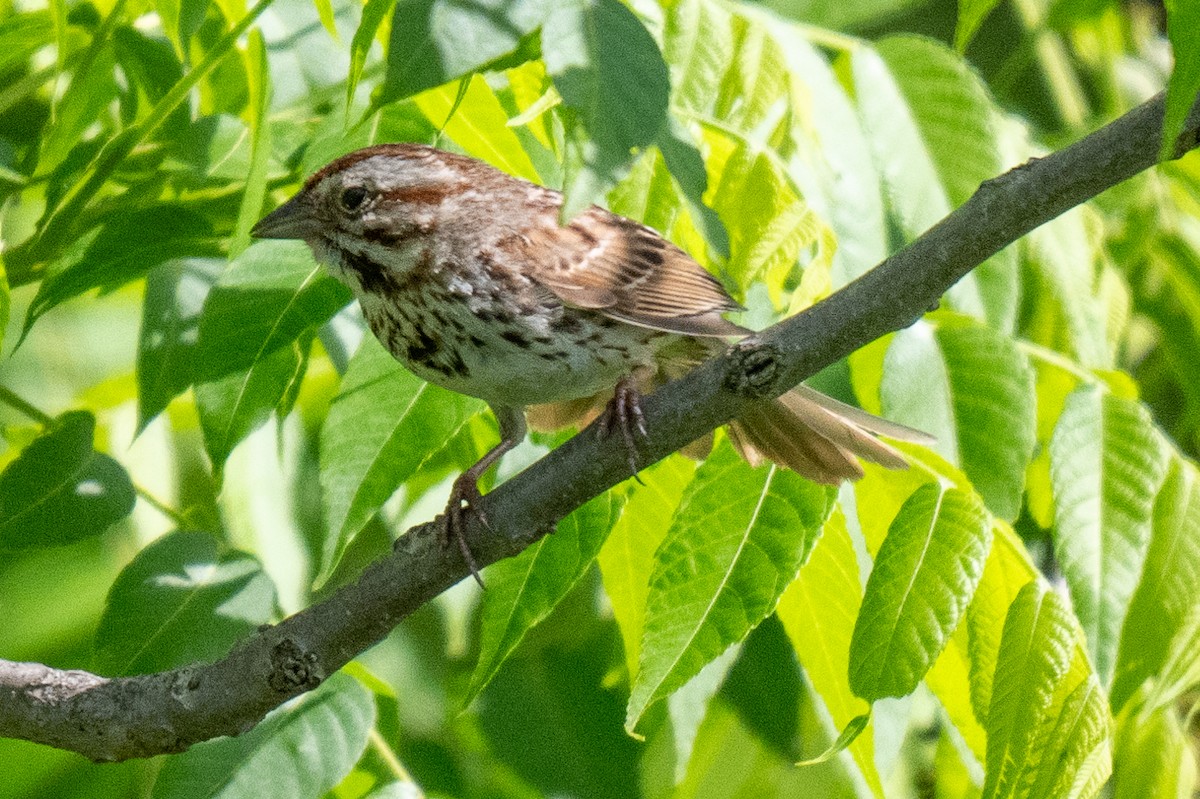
(198, 438)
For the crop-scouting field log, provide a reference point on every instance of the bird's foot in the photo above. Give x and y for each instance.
(464, 496)
(624, 414)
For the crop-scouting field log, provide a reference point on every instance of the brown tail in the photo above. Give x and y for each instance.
(819, 437)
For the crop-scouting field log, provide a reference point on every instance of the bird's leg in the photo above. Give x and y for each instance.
(624, 414)
(465, 493)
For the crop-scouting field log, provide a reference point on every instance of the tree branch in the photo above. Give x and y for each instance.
(114, 719)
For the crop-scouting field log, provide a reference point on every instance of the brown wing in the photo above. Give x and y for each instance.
(607, 263)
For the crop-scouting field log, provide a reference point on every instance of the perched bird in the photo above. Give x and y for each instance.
(467, 277)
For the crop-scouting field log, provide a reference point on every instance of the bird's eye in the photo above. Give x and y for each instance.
(353, 197)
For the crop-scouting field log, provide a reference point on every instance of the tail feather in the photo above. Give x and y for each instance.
(818, 437)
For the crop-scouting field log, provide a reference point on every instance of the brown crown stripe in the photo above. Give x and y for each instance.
(349, 160)
(421, 195)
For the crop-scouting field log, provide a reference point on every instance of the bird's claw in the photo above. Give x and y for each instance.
(624, 413)
(464, 496)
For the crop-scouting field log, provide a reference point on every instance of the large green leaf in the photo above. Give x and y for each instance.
(383, 425)
(60, 490)
(818, 612)
(1166, 593)
(737, 541)
(299, 751)
(612, 77)
(1106, 465)
(627, 557)
(175, 294)
(1048, 724)
(181, 584)
(1155, 758)
(270, 294)
(120, 251)
(523, 590)
(436, 41)
(924, 576)
(972, 389)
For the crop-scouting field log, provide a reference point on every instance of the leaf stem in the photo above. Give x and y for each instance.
(177, 517)
(1055, 358)
(14, 400)
(384, 750)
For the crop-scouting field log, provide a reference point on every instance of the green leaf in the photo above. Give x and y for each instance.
(180, 584)
(846, 737)
(1106, 465)
(818, 611)
(1048, 723)
(737, 540)
(299, 751)
(478, 125)
(382, 427)
(22, 35)
(1166, 593)
(175, 294)
(119, 251)
(60, 490)
(971, 14)
(87, 96)
(260, 143)
(627, 557)
(1156, 758)
(270, 294)
(234, 406)
(1180, 670)
(610, 73)
(523, 590)
(1183, 89)
(373, 14)
(972, 389)
(436, 41)
(924, 576)
(5, 303)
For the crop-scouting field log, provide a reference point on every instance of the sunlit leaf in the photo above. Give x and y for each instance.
(523, 590)
(1155, 758)
(1183, 88)
(373, 14)
(737, 541)
(1048, 724)
(818, 612)
(299, 751)
(260, 143)
(181, 584)
(60, 490)
(270, 294)
(924, 575)
(1106, 465)
(383, 425)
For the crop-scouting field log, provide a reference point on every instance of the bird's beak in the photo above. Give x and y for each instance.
(291, 220)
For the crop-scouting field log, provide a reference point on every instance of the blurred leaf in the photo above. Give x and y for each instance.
(924, 576)
(610, 73)
(971, 14)
(522, 591)
(1106, 465)
(150, 64)
(382, 427)
(299, 751)
(436, 41)
(1154, 759)
(1048, 724)
(373, 14)
(1180, 671)
(89, 93)
(5, 303)
(478, 125)
(260, 143)
(627, 557)
(23, 34)
(738, 539)
(175, 294)
(1183, 88)
(972, 389)
(1166, 592)
(818, 611)
(127, 246)
(184, 599)
(60, 490)
(270, 294)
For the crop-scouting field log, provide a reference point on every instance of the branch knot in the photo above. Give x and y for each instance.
(753, 368)
(293, 669)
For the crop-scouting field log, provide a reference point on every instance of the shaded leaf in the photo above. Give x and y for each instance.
(260, 143)
(971, 14)
(737, 541)
(60, 490)
(1154, 758)
(1183, 88)
(524, 590)
(178, 585)
(1106, 465)
(299, 751)
(924, 576)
